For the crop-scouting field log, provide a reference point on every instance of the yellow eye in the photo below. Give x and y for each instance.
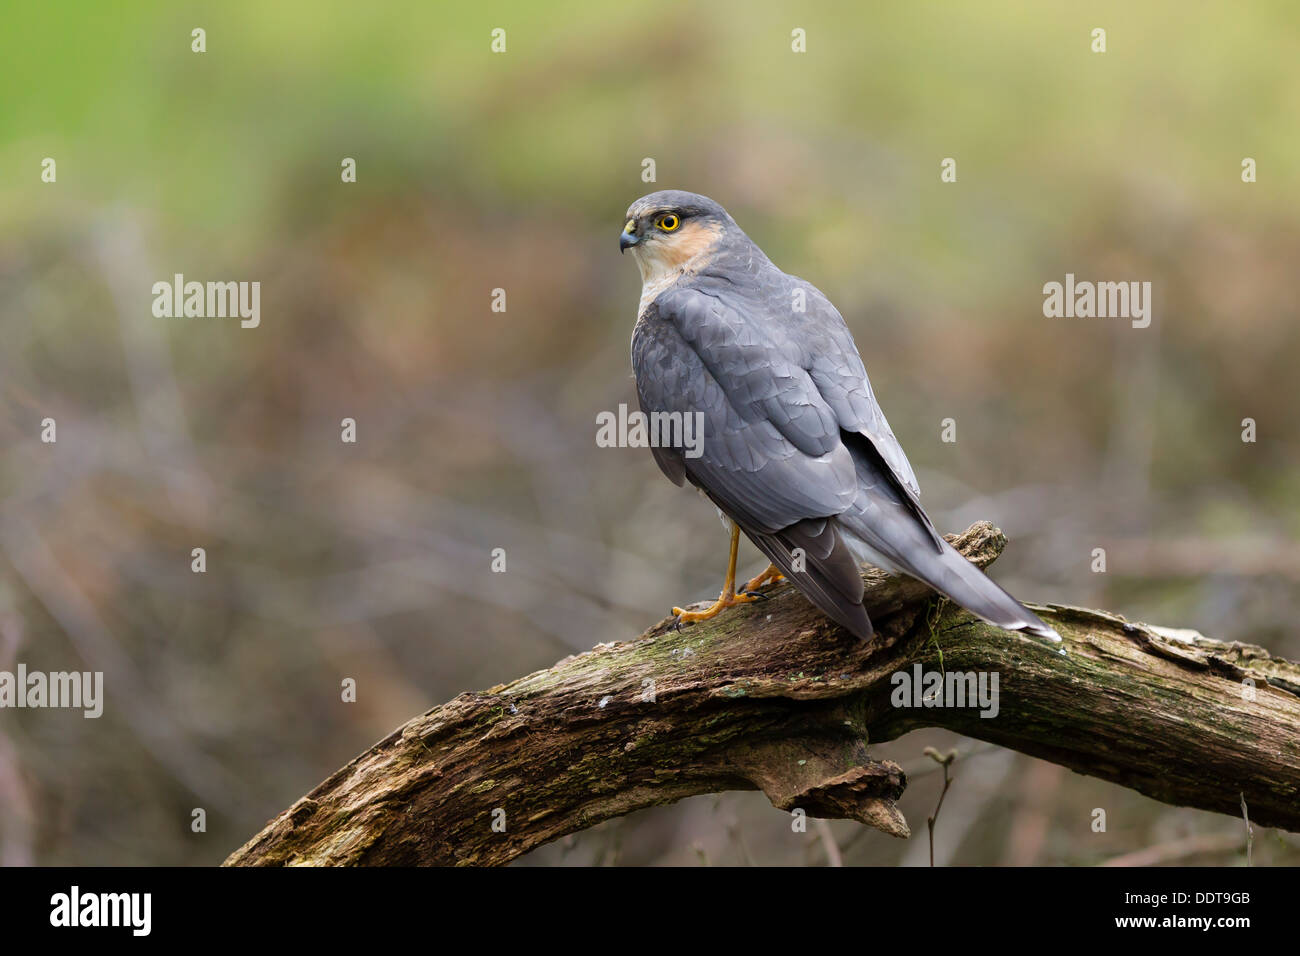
(669, 223)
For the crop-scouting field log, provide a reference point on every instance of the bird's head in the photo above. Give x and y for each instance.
(671, 230)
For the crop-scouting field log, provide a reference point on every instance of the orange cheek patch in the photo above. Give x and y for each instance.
(690, 240)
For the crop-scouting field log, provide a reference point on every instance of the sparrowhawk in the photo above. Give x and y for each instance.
(796, 452)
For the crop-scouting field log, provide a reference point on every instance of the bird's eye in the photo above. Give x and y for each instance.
(669, 222)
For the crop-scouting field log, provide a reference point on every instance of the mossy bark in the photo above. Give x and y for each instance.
(773, 696)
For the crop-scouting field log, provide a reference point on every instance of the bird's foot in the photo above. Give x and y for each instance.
(772, 575)
(724, 601)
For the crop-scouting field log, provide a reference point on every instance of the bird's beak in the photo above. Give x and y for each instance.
(628, 238)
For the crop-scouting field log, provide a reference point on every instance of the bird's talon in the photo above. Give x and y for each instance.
(729, 597)
(772, 575)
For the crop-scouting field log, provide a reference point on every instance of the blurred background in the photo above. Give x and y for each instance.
(476, 429)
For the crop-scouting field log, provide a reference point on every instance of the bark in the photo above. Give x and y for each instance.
(773, 696)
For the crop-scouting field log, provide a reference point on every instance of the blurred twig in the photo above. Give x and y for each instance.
(827, 839)
(17, 813)
(1201, 844)
(944, 761)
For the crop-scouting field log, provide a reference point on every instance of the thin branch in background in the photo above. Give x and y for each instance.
(612, 852)
(1250, 834)
(17, 811)
(738, 837)
(1201, 844)
(833, 857)
(982, 793)
(945, 762)
(924, 766)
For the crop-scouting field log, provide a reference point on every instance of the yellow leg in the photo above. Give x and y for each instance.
(728, 597)
(771, 575)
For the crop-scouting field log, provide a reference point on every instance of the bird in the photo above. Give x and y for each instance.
(796, 453)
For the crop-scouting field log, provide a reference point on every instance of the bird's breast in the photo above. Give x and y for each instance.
(654, 287)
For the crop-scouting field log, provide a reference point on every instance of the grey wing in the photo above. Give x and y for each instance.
(887, 522)
(771, 456)
(840, 377)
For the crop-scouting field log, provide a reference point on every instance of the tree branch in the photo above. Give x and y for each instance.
(775, 697)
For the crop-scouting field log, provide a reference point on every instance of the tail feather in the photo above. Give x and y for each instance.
(952, 574)
(828, 574)
(882, 530)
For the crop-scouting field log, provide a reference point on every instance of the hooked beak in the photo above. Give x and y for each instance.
(628, 238)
